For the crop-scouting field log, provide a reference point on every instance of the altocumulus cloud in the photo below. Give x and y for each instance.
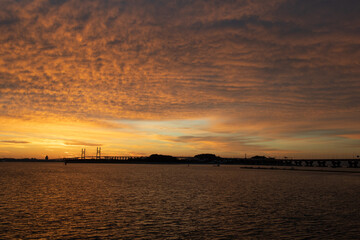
(279, 65)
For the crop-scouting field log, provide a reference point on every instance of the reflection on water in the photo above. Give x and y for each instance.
(50, 200)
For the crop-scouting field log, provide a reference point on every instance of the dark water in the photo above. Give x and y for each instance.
(53, 201)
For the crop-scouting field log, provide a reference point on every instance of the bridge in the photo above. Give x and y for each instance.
(335, 163)
(118, 158)
(98, 157)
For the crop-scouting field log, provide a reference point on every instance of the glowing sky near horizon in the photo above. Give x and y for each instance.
(276, 78)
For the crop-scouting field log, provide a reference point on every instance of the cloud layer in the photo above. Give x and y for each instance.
(266, 70)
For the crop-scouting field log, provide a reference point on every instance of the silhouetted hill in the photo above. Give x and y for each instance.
(207, 157)
(162, 158)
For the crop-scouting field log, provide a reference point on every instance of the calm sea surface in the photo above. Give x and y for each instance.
(99, 201)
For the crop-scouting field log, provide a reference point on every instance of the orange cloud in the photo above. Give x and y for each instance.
(265, 70)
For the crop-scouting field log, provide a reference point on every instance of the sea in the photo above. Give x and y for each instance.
(159, 201)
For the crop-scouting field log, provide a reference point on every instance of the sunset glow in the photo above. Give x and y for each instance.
(275, 78)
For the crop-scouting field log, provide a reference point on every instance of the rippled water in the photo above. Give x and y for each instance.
(99, 201)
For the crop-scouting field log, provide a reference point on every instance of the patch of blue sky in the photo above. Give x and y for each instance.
(167, 127)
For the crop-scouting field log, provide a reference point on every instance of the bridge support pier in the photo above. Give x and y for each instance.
(298, 163)
(288, 163)
(336, 163)
(353, 163)
(309, 163)
(321, 163)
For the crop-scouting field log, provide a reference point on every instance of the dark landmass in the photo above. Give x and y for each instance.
(205, 158)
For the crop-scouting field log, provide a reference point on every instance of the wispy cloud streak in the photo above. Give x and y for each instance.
(14, 142)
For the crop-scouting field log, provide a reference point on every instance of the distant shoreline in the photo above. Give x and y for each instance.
(256, 162)
(243, 165)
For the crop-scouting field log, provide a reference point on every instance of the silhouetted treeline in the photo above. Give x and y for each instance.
(162, 158)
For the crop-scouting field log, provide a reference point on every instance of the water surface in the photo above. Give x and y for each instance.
(119, 201)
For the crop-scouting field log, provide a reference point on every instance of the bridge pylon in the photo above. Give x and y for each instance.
(98, 152)
(83, 153)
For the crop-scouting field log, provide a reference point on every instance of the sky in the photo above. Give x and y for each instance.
(278, 78)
